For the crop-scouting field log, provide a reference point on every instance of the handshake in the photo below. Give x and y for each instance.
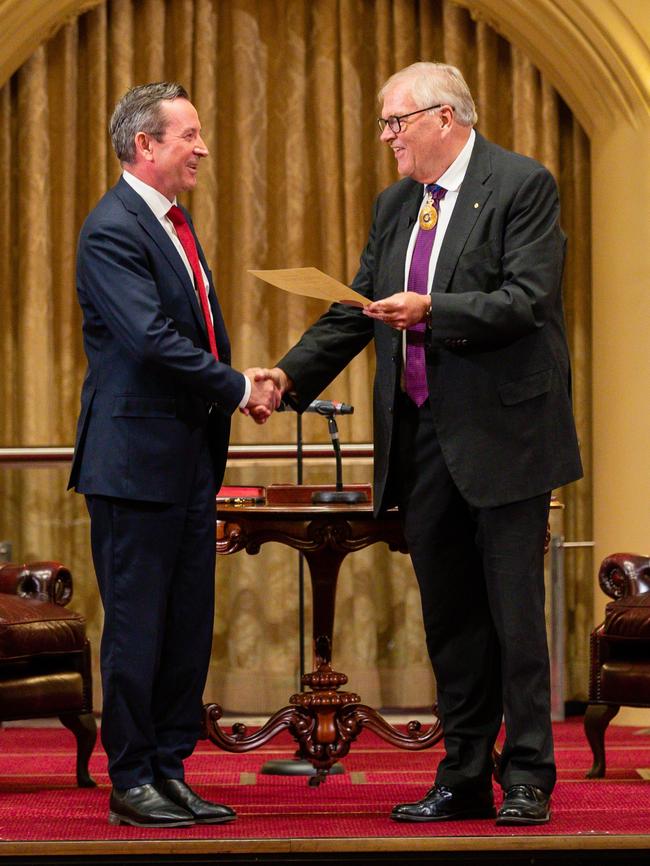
(267, 388)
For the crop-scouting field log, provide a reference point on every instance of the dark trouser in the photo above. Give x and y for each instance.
(481, 578)
(155, 568)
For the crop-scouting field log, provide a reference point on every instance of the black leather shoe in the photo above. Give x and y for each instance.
(144, 806)
(202, 810)
(443, 804)
(525, 804)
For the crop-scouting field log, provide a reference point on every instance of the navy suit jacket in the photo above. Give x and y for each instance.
(497, 358)
(151, 378)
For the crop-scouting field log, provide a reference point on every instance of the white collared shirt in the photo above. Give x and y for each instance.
(451, 181)
(160, 205)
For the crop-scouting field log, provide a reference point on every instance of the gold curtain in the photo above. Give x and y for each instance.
(286, 91)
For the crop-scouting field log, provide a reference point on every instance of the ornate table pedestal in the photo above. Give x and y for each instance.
(324, 720)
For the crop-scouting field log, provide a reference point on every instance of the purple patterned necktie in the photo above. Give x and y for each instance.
(415, 375)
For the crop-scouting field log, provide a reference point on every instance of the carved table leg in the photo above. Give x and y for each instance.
(321, 744)
(324, 566)
(323, 720)
(339, 716)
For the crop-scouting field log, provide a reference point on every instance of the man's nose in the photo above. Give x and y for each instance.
(200, 148)
(387, 134)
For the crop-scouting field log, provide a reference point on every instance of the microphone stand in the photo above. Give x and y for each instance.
(340, 496)
(301, 559)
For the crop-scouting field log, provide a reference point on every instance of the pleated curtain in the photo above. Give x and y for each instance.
(286, 93)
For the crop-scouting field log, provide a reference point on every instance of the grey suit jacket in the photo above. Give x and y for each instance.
(497, 359)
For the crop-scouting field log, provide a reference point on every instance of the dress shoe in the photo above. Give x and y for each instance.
(144, 806)
(444, 804)
(202, 810)
(525, 804)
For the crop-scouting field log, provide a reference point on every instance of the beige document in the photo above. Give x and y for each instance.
(312, 283)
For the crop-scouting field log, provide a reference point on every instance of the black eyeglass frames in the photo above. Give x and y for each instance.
(394, 122)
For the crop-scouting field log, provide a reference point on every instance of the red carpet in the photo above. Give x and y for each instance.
(39, 799)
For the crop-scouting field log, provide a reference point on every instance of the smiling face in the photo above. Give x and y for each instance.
(171, 164)
(420, 147)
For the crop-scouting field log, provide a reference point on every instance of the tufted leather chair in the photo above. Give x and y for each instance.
(619, 671)
(45, 655)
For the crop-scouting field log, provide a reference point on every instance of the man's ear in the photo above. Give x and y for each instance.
(446, 116)
(143, 144)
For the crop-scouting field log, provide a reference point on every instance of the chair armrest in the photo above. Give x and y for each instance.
(49, 581)
(624, 574)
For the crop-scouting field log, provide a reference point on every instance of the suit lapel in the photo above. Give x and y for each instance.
(221, 335)
(145, 216)
(472, 196)
(407, 216)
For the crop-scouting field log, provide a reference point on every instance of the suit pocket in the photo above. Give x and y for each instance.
(130, 406)
(530, 386)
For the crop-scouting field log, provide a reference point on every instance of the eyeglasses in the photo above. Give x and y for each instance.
(394, 122)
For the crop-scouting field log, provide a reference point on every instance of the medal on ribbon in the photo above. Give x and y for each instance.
(428, 214)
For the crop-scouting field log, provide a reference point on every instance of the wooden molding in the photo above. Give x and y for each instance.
(596, 53)
(25, 24)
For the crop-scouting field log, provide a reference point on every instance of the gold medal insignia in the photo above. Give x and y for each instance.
(428, 217)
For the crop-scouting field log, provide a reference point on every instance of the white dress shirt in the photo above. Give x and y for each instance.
(451, 181)
(160, 206)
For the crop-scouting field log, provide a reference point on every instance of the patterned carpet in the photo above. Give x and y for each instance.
(40, 802)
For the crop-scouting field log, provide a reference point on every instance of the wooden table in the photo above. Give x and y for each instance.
(323, 720)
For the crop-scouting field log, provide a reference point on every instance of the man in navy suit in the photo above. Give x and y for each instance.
(150, 453)
(470, 443)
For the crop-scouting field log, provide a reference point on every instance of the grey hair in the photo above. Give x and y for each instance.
(139, 110)
(433, 83)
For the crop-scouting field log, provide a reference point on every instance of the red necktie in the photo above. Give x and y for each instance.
(188, 243)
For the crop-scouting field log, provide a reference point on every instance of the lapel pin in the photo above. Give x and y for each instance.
(476, 204)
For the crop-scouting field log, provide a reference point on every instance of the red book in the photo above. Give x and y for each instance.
(240, 495)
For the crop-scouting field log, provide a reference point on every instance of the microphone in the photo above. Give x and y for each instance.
(330, 408)
(321, 407)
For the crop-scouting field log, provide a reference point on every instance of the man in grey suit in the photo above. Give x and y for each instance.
(473, 424)
(150, 453)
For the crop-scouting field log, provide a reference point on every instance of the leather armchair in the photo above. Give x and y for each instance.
(619, 670)
(44, 654)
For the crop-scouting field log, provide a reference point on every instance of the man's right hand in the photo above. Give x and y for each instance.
(282, 381)
(268, 386)
(265, 394)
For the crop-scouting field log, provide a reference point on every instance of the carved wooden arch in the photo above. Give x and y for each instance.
(613, 71)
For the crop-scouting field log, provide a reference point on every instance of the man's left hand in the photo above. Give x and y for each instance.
(400, 311)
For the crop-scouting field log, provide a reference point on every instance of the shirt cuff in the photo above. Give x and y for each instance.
(247, 392)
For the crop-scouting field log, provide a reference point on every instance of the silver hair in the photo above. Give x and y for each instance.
(139, 110)
(434, 83)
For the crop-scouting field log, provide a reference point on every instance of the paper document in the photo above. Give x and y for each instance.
(312, 283)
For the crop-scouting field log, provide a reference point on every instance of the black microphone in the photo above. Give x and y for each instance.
(321, 407)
